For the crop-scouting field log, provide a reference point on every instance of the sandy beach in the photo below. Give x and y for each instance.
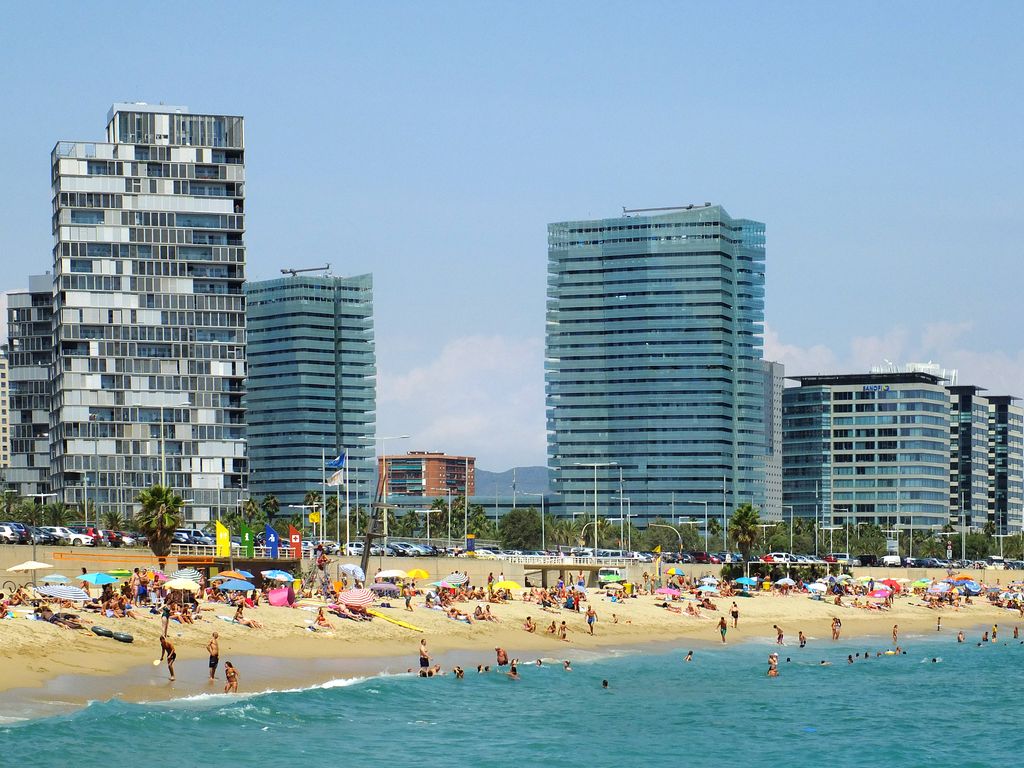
(42, 661)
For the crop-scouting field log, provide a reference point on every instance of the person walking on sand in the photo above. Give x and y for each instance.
(778, 634)
(231, 676)
(837, 627)
(213, 649)
(723, 627)
(424, 655)
(591, 618)
(167, 649)
(895, 634)
(735, 613)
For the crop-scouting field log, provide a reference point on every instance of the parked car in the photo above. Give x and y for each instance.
(85, 535)
(892, 561)
(701, 557)
(404, 549)
(111, 538)
(778, 557)
(868, 561)
(43, 536)
(19, 533)
(9, 535)
(354, 548)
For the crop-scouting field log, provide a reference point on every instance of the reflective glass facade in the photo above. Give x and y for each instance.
(311, 389)
(653, 362)
(872, 447)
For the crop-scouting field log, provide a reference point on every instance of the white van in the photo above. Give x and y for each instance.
(891, 561)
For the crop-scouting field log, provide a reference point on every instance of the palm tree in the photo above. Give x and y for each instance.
(59, 513)
(271, 506)
(158, 518)
(744, 528)
(30, 512)
(407, 524)
(113, 520)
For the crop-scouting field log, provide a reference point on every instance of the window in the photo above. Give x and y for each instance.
(86, 217)
(81, 265)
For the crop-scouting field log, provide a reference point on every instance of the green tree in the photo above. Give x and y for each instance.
(113, 520)
(520, 529)
(744, 529)
(11, 501)
(159, 516)
(408, 524)
(669, 537)
(30, 512)
(271, 506)
(59, 513)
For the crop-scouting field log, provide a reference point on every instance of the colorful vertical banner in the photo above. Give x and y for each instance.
(272, 539)
(295, 539)
(248, 541)
(223, 540)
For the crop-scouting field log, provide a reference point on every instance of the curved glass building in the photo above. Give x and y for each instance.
(653, 363)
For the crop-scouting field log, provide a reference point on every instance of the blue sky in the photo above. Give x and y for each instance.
(431, 144)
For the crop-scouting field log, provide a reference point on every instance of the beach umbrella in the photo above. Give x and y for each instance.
(707, 588)
(187, 573)
(939, 588)
(747, 581)
(892, 584)
(246, 574)
(230, 575)
(277, 575)
(418, 573)
(615, 587)
(709, 580)
(55, 578)
(843, 577)
(385, 588)
(970, 587)
(236, 585)
(509, 584)
(63, 592)
(98, 578)
(675, 572)
(120, 573)
(456, 578)
(921, 584)
(880, 592)
(785, 582)
(443, 584)
(962, 577)
(354, 571)
(29, 565)
(667, 591)
(578, 588)
(181, 584)
(356, 597)
(817, 586)
(392, 574)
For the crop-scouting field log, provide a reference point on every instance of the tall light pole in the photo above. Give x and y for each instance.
(671, 528)
(622, 521)
(847, 526)
(595, 465)
(707, 534)
(543, 541)
(40, 496)
(790, 508)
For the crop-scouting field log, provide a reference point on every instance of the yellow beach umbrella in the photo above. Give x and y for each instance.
(507, 584)
(418, 573)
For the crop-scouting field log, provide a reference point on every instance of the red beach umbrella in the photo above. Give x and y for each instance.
(360, 597)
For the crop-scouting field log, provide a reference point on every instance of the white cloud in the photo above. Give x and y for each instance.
(951, 345)
(482, 395)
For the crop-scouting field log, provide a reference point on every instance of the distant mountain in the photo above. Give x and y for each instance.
(528, 480)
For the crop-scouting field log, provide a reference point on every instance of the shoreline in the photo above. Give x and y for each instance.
(46, 691)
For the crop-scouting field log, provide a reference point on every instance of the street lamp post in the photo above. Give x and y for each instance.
(41, 496)
(790, 508)
(671, 528)
(543, 541)
(707, 535)
(595, 465)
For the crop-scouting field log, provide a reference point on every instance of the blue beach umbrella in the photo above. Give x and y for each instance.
(236, 585)
(98, 578)
(245, 573)
(747, 581)
(277, 575)
(707, 588)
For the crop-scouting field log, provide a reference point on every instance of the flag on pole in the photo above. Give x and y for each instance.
(338, 478)
(248, 541)
(295, 539)
(337, 463)
(272, 539)
(223, 540)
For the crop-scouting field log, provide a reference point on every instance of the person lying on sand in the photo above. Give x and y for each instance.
(239, 618)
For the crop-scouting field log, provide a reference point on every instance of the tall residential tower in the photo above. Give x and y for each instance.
(149, 316)
(311, 390)
(653, 362)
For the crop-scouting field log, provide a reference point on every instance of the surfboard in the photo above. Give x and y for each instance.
(399, 622)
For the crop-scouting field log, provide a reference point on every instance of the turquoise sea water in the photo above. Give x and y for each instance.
(719, 710)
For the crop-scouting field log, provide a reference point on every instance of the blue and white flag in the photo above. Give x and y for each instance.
(273, 540)
(337, 463)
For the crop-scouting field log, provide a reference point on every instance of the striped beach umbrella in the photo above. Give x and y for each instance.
(187, 573)
(356, 597)
(63, 592)
(456, 578)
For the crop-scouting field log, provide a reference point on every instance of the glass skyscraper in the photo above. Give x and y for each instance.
(149, 316)
(653, 362)
(311, 390)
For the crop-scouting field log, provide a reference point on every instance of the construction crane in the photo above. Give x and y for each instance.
(294, 272)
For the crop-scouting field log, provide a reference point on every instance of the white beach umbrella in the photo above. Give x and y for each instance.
(29, 565)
